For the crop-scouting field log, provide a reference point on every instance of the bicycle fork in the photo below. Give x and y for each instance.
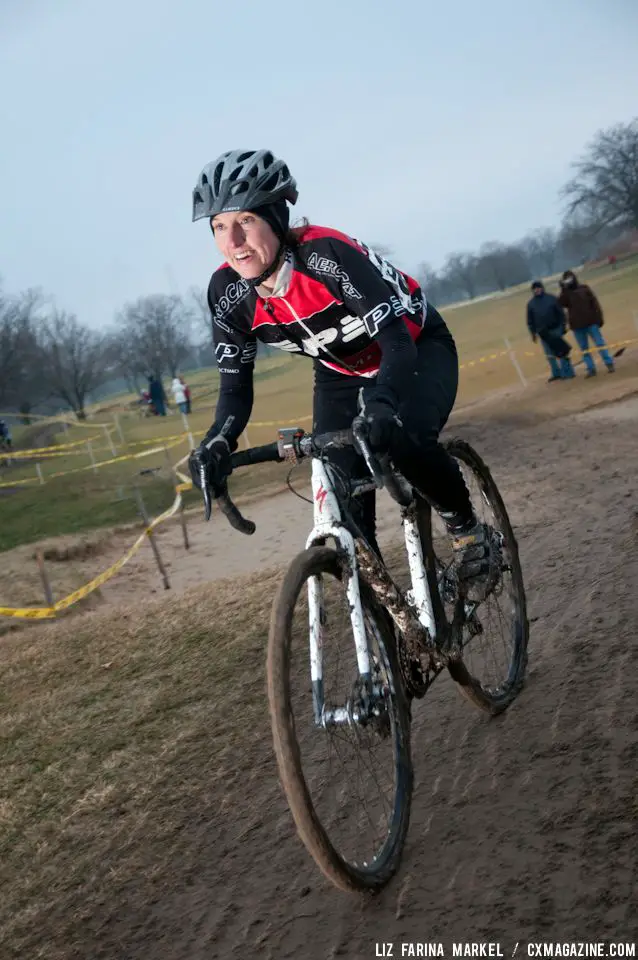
(327, 524)
(324, 715)
(414, 617)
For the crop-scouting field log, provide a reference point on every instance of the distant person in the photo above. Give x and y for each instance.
(546, 319)
(5, 434)
(158, 397)
(187, 391)
(585, 319)
(179, 394)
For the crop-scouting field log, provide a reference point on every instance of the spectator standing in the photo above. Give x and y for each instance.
(158, 397)
(179, 394)
(187, 391)
(546, 319)
(585, 319)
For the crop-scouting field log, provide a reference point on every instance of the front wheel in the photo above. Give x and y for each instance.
(342, 747)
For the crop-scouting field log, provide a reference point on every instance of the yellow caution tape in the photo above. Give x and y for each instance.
(57, 447)
(42, 452)
(139, 443)
(20, 483)
(26, 455)
(607, 346)
(279, 423)
(491, 356)
(46, 613)
(98, 464)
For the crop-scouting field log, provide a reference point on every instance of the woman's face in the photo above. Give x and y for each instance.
(246, 241)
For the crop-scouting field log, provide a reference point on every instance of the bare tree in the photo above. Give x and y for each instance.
(21, 383)
(197, 305)
(501, 265)
(578, 240)
(460, 271)
(540, 247)
(436, 286)
(73, 359)
(154, 334)
(604, 188)
(124, 361)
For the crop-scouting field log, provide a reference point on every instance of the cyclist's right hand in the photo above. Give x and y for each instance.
(210, 466)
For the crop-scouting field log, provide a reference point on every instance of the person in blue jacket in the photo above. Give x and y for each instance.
(546, 320)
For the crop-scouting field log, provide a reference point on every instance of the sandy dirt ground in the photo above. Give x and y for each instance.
(523, 827)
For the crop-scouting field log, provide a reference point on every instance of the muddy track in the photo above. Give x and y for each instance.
(523, 826)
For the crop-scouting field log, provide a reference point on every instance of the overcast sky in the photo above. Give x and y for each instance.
(426, 126)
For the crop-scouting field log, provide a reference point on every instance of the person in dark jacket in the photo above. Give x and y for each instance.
(546, 319)
(585, 319)
(158, 396)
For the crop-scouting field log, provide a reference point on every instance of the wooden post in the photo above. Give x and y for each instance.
(515, 362)
(151, 537)
(109, 438)
(182, 515)
(48, 593)
(118, 427)
(90, 449)
(38, 470)
(188, 431)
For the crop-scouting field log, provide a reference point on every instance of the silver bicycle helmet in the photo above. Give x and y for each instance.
(242, 180)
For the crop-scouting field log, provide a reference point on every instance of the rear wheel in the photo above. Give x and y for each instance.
(347, 777)
(494, 630)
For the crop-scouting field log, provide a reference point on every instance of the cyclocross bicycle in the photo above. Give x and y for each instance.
(342, 743)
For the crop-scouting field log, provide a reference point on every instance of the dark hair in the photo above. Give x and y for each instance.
(293, 234)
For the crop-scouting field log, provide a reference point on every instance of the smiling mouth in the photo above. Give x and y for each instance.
(241, 257)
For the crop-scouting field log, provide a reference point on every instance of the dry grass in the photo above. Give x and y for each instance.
(109, 734)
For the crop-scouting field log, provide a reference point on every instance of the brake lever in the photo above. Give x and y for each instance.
(359, 431)
(234, 516)
(380, 468)
(205, 491)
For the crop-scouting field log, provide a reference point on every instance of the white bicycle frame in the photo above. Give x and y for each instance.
(328, 523)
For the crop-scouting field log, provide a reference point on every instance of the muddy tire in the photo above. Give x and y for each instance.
(496, 697)
(347, 875)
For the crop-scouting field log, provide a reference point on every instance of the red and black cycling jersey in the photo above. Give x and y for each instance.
(335, 300)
